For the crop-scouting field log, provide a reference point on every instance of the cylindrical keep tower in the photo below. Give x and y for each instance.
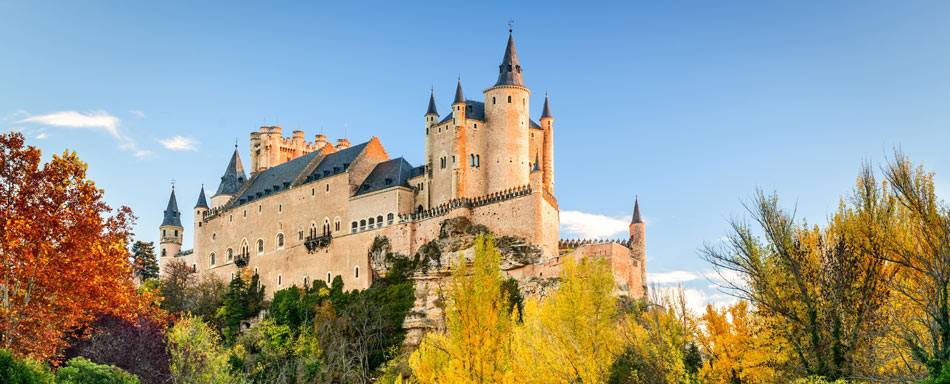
(507, 115)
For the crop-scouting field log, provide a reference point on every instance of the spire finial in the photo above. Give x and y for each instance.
(511, 23)
(173, 184)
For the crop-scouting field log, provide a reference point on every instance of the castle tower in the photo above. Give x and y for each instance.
(232, 180)
(458, 143)
(200, 208)
(547, 124)
(506, 112)
(432, 118)
(638, 247)
(171, 232)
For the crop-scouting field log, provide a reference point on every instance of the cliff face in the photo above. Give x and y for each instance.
(430, 269)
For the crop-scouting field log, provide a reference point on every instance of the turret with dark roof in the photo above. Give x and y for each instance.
(234, 176)
(458, 94)
(432, 110)
(202, 202)
(546, 111)
(172, 216)
(636, 213)
(509, 72)
(537, 165)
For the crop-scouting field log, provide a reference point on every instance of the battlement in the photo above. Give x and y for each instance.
(568, 244)
(269, 148)
(467, 202)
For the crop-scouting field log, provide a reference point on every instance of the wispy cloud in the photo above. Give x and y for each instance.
(179, 143)
(95, 121)
(42, 136)
(100, 120)
(674, 277)
(138, 114)
(696, 299)
(591, 225)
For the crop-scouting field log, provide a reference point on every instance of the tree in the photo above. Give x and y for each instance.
(826, 289)
(136, 346)
(737, 347)
(244, 299)
(179, 279)
(196, 355)
(656, 337)
(63, 255)
(571, 336)
(144, 263)
(476, 347)
(79, 370)
(23, 371)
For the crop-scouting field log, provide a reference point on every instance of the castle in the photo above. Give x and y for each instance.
(311, 210)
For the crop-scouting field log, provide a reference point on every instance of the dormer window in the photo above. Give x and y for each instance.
(336, 170)
(345, 166)
(365, 187)
(389, 181)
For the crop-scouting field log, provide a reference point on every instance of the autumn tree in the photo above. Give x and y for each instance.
(476, 346)
(571, 336)
(826, 289)
(63, 255)
(144, 263)
(737, 347)
(196, 355)
(657, 339)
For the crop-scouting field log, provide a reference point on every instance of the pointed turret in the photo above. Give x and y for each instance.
(234, 176)
(172, 216)
(537, 166)
(636, 213)
(202, 202)
(432, 110)
(509, 72)
(546, 111)
(458, 94)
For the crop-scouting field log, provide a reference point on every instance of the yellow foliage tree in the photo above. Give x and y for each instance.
(737, 348)
(476, 347)
(571, 336)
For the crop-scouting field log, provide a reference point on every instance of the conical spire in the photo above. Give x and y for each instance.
(636, 213)
(202, 202)
(546, 111)
(172, 216)
(432, 110)
(509, 72)
(458, 93)
(537, 165)
(234, 176)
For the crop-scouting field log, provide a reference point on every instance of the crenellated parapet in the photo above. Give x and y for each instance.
(467, 202)
(565, 244)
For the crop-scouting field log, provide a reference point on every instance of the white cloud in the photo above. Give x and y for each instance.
(589, 225)
(72, 119)
(42, 136)
(673, 277)
(138, 114)
(179, 143)
(696, 299)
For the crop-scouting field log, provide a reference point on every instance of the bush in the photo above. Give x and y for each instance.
(13, 371)
(137, 347)
(82, 371)
(195, 353)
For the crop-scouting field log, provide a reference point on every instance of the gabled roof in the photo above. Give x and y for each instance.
(473, 110)
(509, 72)
(172, 216)
(336, 162)
(387, 174)
(275, 179)
(202, 202)
(234, 176)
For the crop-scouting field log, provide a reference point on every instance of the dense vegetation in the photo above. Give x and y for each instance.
(862, 298)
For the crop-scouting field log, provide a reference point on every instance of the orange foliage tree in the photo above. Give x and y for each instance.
(63, 256)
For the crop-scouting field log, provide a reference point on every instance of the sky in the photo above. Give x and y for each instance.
(688, 105)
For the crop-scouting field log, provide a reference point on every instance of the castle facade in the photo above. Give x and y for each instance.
(311, 210)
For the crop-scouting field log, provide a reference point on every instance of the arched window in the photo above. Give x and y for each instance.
(279, 279)
(371, 223)
(337, 224)
(213, 236)
(280, 240)
(163, 252)
(244, 248)
(300, 234)
(419, 209)
(356, 272)
(212, 258)
(230, 254)
(353, 229)
(509, 99)
(493, 99)
(379, 220)
(326, 226)
(389, 218)
(313, 229)
(260, 246)
(362, 225)
(176, 233)
(478, 161)
(163, 233)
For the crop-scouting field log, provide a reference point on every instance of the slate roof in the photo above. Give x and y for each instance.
(234, 176)
(546, 111)
(172, 216)
(432, 109)
(202, 202)
(387, 174)
(473, 110)
(509, 72)
(336, 162)
(636, 213)
(458, 94)
(418, 171)
(275, 179)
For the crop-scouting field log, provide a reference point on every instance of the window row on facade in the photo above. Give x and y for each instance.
(372, 222)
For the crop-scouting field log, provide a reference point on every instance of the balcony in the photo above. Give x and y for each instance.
(241, 259)
(171, 239)
(315, 243)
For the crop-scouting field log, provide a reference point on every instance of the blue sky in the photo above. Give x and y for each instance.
(689, 105)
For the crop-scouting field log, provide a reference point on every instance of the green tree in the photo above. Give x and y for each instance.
(244, 300)
(144, 263)
(25, 371)
(196, 355)
(81, 371)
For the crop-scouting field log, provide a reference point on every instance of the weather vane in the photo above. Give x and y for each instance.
(173, 183)
(511, 23)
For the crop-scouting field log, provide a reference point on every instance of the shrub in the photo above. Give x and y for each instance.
(26, 371)
(82, 371)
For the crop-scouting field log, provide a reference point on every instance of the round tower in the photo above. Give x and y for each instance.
(507, 115)
(458, 143)
(432, 118)
(171, 233)
(547, 124)
(638, 251)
